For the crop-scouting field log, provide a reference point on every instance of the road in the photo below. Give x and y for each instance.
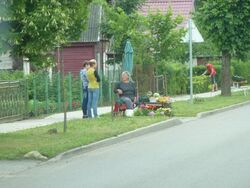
(209, 152)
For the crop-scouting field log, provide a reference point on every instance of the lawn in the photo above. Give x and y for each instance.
(186, 109)
(84, 131)
(79, 132)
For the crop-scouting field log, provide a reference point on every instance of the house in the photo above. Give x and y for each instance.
(89, 46)
(6, 62)
(179, 7)
(157, 83)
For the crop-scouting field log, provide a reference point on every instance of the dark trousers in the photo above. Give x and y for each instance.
(85, 101)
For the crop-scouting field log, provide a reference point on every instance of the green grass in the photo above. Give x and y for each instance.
(186, 109)
(81, 132)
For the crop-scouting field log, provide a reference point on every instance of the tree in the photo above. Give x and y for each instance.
(227, 24)
(129, 6)
(119, 26)
(165, 35)
(33, 28)
(154, 37)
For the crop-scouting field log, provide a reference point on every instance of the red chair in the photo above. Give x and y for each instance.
(119, 108)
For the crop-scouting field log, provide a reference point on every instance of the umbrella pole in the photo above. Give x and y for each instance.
(112, 101)
(112, 95)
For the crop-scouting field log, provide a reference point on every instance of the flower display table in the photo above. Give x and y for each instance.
(156, 105)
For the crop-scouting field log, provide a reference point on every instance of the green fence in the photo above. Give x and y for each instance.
(42, 93)
(13, 100)
(47, 93)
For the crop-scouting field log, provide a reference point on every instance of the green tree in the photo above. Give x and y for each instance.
(33, 28)
(129, 6)
(227, 24)
(119, 26)
(165, 36)
(206, 48)
(154, 37)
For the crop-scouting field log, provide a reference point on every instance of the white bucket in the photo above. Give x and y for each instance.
(129, 113)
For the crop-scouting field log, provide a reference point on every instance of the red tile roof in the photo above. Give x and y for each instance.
(179, 7)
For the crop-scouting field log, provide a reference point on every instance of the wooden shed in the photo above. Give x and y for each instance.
(90, 45)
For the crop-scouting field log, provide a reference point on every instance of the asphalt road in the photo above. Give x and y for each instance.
(212, 152)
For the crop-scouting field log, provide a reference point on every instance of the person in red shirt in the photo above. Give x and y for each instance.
(212, 73)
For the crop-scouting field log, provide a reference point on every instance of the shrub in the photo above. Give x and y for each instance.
(177, 82)
(201, 84)
(11, 75)
(241, 69)
(199, 70)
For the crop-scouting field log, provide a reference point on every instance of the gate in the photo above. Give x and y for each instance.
(13, 100)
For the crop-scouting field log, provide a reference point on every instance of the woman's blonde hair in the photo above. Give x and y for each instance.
(92, 62)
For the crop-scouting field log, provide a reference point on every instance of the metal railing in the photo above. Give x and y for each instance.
(13, 100)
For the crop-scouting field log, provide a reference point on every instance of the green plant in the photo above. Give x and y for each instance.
(35, 28)
(11, 75)
(227, 25)
(241, 69)
(201, 84)
(177, 77)
(79, 132)
(199, 100)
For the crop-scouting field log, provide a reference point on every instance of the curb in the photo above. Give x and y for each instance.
(117, 139)
(208, 113)
(138, 132)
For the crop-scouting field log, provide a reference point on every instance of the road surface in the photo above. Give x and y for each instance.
(211, 152)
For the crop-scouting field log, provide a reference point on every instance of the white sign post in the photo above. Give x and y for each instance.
(190, 60)
(193, 35)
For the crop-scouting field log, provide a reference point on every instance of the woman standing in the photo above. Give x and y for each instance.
(93, 88)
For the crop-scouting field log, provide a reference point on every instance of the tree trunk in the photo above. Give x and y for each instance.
(225, 74)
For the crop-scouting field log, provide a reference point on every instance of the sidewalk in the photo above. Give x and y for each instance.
(55, 118)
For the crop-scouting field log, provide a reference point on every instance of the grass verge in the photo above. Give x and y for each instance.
(82, 132)
(79, 132)
(186, 109)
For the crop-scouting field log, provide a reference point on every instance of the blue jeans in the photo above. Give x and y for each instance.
(128, 102)
(93, 96)
(85, 101)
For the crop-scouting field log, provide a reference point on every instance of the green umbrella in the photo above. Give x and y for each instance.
(128, 58)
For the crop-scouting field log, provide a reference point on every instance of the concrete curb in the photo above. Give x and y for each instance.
(138, 132)
(117, 139)
(208, 113)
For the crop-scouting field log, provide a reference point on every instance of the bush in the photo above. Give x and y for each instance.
(11, 75)
(201, 84)
(241, 69)
(41, 107)
(177, 82)
(199, 70)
